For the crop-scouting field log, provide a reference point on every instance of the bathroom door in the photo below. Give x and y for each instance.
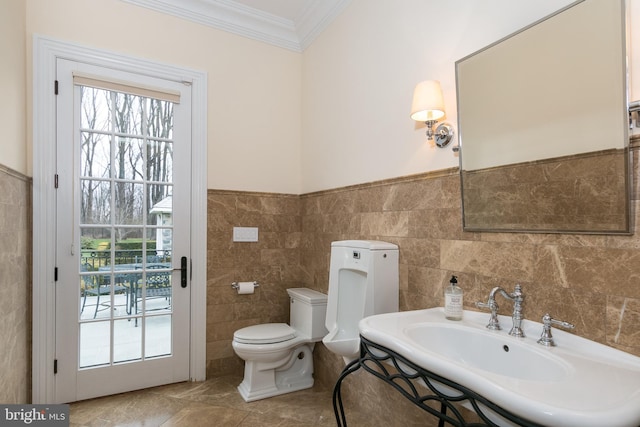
(122, 221)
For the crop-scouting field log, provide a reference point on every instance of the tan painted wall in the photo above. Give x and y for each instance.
(335, 115)
(13, 80)
(358, 78)
(253, 88)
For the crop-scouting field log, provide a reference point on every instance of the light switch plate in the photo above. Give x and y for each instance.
(245, 234)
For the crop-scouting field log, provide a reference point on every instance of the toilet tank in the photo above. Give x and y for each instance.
(307, 310)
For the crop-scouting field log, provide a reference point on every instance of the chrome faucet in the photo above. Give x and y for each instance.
(517, 297)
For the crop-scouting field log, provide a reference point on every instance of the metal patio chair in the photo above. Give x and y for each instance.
(91, 286)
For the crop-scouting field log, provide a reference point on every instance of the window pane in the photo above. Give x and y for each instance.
(128, 249)
(95, 202)
(95, 105)
(160, 161)
(128, 114)
(95, 158)
(160, 122)
(158, 336)
(128, 159)
(95, 343)
(129, 199)
(94, 246)
(160, 205)
(127, 340)
(163, 238)
(157, 288)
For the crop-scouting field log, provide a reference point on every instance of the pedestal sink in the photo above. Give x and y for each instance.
(577, 383)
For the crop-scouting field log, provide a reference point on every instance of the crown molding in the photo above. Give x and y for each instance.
(236, 18)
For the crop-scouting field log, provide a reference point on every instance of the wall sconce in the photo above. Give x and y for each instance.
(428, 107)
(634, 110)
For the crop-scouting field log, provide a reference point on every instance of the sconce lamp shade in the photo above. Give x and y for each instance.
(428, 102)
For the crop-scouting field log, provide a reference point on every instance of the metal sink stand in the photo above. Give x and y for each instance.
(420, 387)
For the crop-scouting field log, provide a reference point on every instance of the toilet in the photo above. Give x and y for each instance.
(363, 281)
(278, 357)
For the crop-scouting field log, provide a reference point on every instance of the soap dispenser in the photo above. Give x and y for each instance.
(453, 295)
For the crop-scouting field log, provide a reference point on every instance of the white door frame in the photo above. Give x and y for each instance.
(45, 53)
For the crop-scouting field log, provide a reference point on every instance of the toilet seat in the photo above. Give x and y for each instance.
(266, 333)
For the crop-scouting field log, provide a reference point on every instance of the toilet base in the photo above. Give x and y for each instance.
(251, 395)
(262, 380)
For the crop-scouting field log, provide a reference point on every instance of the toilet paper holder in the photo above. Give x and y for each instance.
(235, 285)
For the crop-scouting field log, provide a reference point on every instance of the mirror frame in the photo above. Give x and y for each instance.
(624, 229)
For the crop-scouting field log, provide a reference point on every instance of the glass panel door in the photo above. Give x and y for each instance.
(122, 314)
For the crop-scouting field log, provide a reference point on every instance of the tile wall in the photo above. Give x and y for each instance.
(15, 287)
(592, 281)
(578, 192)
(274, 262)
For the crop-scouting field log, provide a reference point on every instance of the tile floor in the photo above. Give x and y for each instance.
(214, 402)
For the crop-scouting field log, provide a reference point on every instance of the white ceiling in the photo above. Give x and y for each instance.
(290, 24)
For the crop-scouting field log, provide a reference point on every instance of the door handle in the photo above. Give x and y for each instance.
(183, 271)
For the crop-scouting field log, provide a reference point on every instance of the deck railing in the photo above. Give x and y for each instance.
(98, 258)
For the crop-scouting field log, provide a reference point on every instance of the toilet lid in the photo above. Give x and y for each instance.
(266, 333)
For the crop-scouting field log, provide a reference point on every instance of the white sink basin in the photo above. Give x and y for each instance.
(578, 383)
(488, 352)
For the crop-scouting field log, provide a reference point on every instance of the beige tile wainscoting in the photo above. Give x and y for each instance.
(15, 287)
(577, 192)
(592, 281)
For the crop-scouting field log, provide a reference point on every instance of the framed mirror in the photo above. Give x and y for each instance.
(543, 126)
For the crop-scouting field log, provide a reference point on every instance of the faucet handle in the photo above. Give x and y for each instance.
(546, 339)
(481, 304)
(494, 323)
